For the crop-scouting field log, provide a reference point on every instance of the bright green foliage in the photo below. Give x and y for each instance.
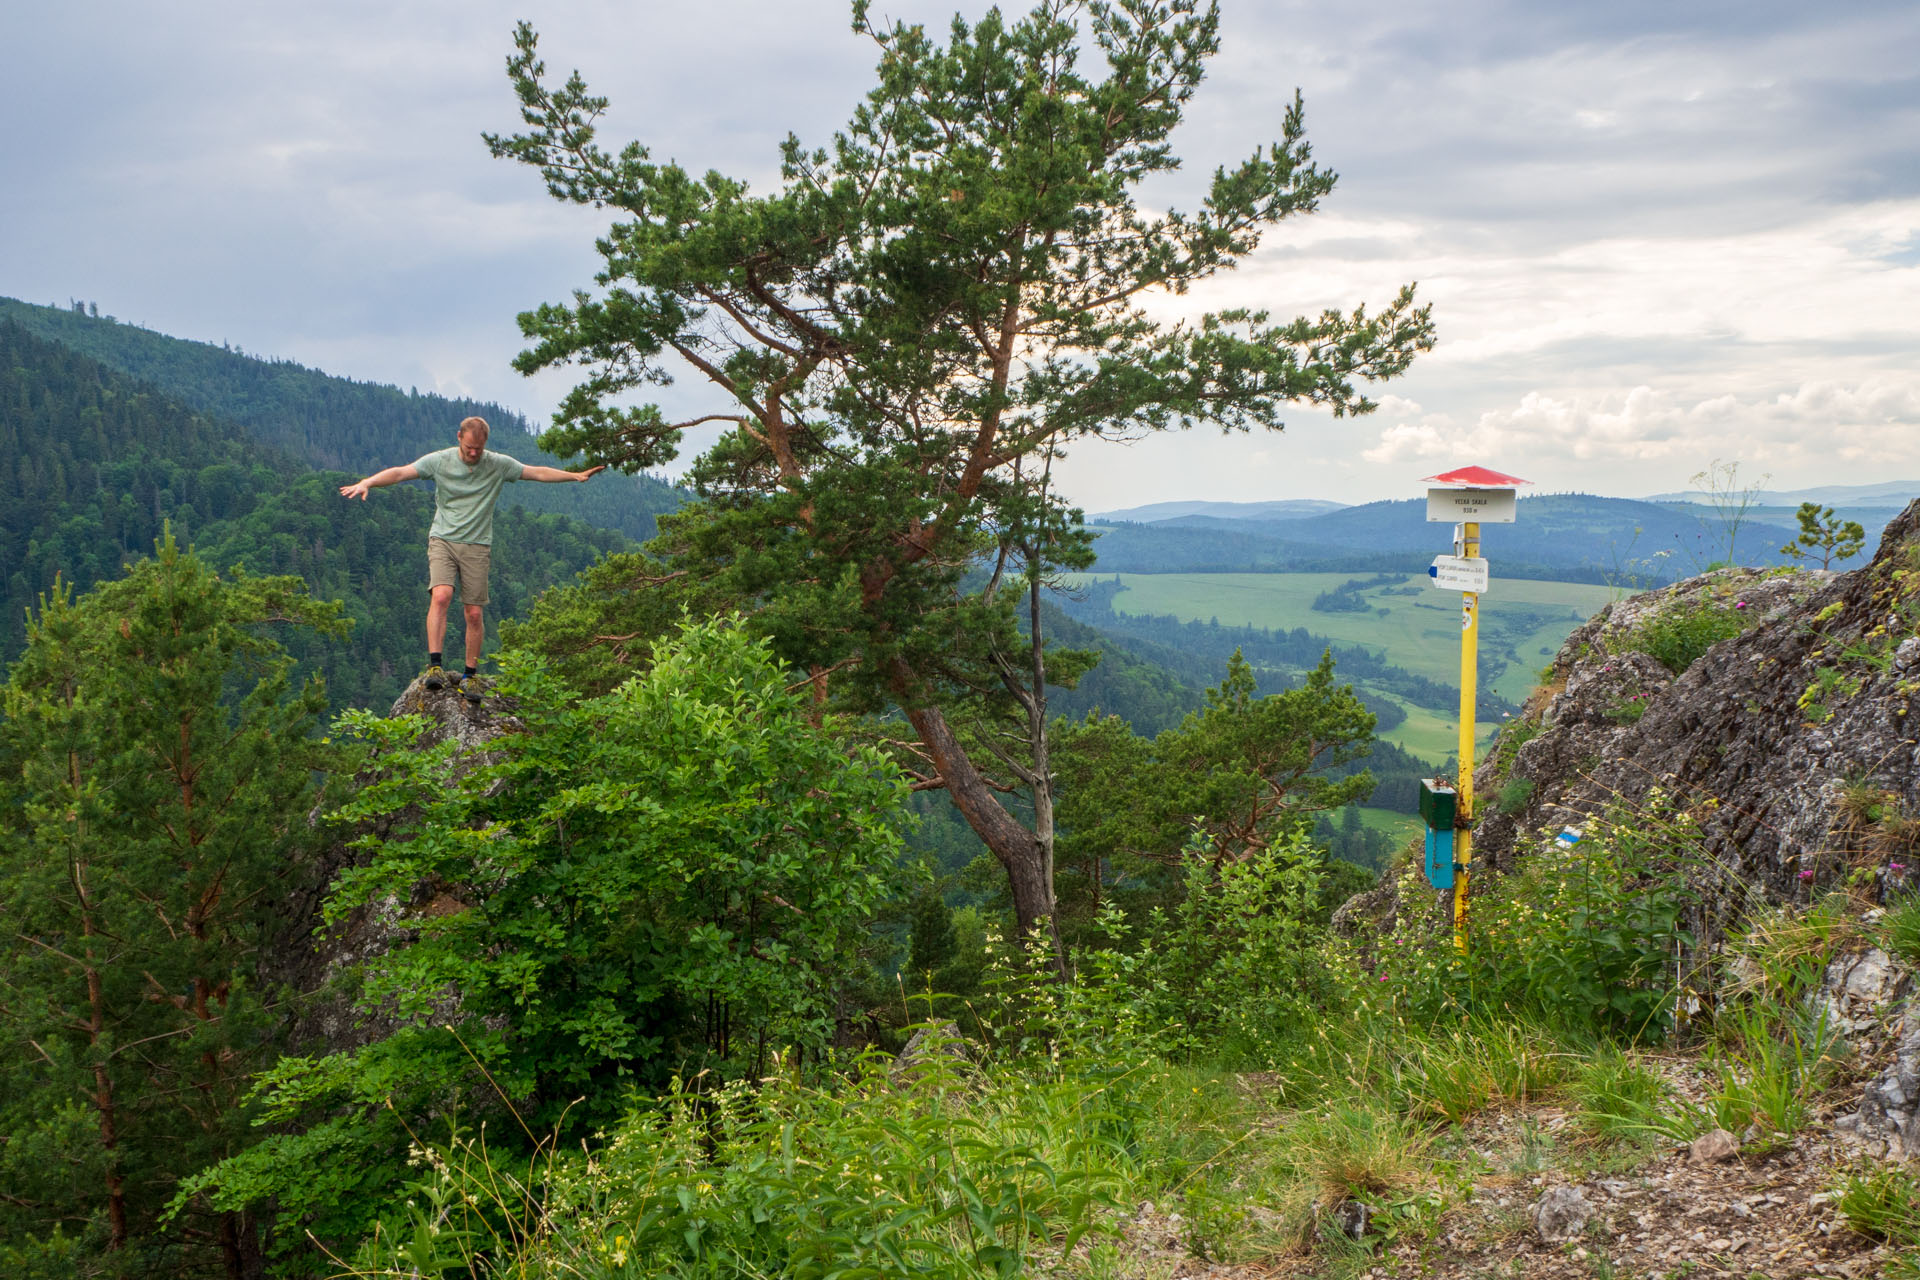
(1244, 771)
(1828, 535)
(1884, 1202)
(157, 772)
(1586, 936)
(672, 876)
(980, 1173)
(1230, 973)
(672, 872)
(1676, 637)
(913, 322)
(1240, 956)
(1900, 931)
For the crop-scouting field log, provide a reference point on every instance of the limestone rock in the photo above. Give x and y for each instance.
(1561, 1215)
(1715, 1147)
(1860, 988)
(1759, 738)
(928, 1045)
(1890, 1105)
(1351, 1218)
(308, 956)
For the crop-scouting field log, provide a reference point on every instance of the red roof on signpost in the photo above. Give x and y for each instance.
(1479, 477)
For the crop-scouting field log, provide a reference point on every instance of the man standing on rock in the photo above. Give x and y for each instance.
(466, 485)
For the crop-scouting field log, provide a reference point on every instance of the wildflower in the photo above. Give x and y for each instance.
(1896, 866)
(1740, 604)
(1806, 875)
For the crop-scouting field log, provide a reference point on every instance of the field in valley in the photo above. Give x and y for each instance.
(1408, 622)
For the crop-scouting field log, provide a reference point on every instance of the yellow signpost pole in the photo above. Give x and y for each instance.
(1469, 671)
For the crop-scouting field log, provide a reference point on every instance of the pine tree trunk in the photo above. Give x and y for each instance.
(1025, 859)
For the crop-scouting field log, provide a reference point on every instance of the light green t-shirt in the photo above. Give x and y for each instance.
(463, 496)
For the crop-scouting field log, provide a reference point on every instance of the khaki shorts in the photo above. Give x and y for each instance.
(463, 562)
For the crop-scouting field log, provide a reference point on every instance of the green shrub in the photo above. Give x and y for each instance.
(671, 876)
(1236, 972)
(1584, 937)
(973, 1172)
(1513, 795)
(1676, 636)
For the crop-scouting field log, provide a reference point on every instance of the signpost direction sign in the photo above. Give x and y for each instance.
(1472, 496)
(1482, 506)
(1458, 573)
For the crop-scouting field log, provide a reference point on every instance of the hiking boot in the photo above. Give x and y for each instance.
(437, 679)
(470, 688)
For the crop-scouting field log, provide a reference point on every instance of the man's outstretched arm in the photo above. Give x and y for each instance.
(379, 480)
(554, 474)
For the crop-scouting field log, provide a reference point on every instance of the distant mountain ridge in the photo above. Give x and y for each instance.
(1280, 509)
(1894, 494)
(1568, 537)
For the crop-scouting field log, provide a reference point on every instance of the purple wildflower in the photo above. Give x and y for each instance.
(1806, 875)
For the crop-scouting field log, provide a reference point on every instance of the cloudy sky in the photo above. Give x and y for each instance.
(1654, 234)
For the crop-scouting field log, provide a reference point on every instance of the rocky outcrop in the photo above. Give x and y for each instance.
(1791, 744)
(1889, 1114)
(312, 958)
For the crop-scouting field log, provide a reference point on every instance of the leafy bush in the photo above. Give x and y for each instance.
(677, 872)
(1238, 966)
(974, 1174)
(1676, 636)
(1584, 936)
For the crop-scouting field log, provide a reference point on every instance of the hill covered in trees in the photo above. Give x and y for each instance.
(335, 423)
(100, 464)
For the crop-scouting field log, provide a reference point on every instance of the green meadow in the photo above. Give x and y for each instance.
(1410, 623)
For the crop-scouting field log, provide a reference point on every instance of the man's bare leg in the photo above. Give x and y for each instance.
(439, 600)
(476, 632)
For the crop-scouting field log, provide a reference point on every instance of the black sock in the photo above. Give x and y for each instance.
(433, 659)
(472, 670)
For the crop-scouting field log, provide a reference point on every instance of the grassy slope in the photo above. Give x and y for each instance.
(1519, 617)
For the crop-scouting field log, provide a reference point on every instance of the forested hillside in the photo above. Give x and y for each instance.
(331, 422)
(99, 464)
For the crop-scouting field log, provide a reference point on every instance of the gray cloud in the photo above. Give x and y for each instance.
(1703, 199)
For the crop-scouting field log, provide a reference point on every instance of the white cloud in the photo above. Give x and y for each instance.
(1795, 428)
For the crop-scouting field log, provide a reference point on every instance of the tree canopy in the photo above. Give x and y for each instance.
(907, 330)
